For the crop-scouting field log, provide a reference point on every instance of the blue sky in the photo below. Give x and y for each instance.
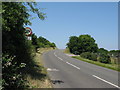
(65, 19)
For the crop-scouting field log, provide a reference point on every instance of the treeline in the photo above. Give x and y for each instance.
(17, 59)
(86, 47)
(41, 42)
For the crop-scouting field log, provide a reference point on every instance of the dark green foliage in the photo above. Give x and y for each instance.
(33, 8)
(43, 40)
(12, 78)
(83, 43)
(114, 53)
(15, 44)
(88, 55)
(35, 42)
(102, 50)
(42, 43)
(34, 39)
(87, 44)
(73, 44)
(104, 58)
(53, 45)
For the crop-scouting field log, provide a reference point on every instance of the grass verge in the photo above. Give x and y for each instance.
(110, 66)
(38, 76)
(67, 51)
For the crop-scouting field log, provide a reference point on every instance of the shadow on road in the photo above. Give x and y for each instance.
(57, 81)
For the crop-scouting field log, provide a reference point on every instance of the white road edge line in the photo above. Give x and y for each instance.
(105, 81)
(73, 65)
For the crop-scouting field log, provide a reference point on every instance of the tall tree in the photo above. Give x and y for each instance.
(102, 50)
(87, 44)
(73, 44)
(83, 43)
(16, 49)
(35, 41)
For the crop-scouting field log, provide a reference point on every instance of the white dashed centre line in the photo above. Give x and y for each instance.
(73, 65)
(58, 57)
(92, 75)
(105, 81)
(66, 62)
(55, 54)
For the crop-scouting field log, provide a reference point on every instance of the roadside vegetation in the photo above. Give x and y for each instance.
(41, 42)
(67, 51)
(110, 66)
(88, 51)
(38, 76)
(19, 55)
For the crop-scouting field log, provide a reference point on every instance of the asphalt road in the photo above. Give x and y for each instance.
(67, 72)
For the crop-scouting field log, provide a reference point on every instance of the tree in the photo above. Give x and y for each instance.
(35, 41)
(102, 50)
(73, 44)
(53, 45)
(87, 44)
(43, 42)
(83, 43)
(114, 53)
(16, 48)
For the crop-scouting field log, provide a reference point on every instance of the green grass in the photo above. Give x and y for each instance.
(110, 66)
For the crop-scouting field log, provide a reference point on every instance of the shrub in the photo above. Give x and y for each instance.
(11, 75)
(88, 55)
(104, 58)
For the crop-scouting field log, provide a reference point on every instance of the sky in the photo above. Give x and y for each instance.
(65, 19)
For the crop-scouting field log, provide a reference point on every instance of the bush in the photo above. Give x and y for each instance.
(88, 55)
(11, 77)
(104, 58)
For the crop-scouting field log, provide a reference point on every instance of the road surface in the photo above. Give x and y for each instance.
(67, 72)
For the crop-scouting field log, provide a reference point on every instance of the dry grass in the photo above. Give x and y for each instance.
(67, 51)
(39, 78)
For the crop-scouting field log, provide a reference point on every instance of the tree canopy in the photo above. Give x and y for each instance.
(73, 44)
(16, 49)
(83, 43)
(102, 50)
(114, 53)
(41, 42)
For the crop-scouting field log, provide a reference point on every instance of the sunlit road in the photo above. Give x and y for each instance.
(67, 72)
